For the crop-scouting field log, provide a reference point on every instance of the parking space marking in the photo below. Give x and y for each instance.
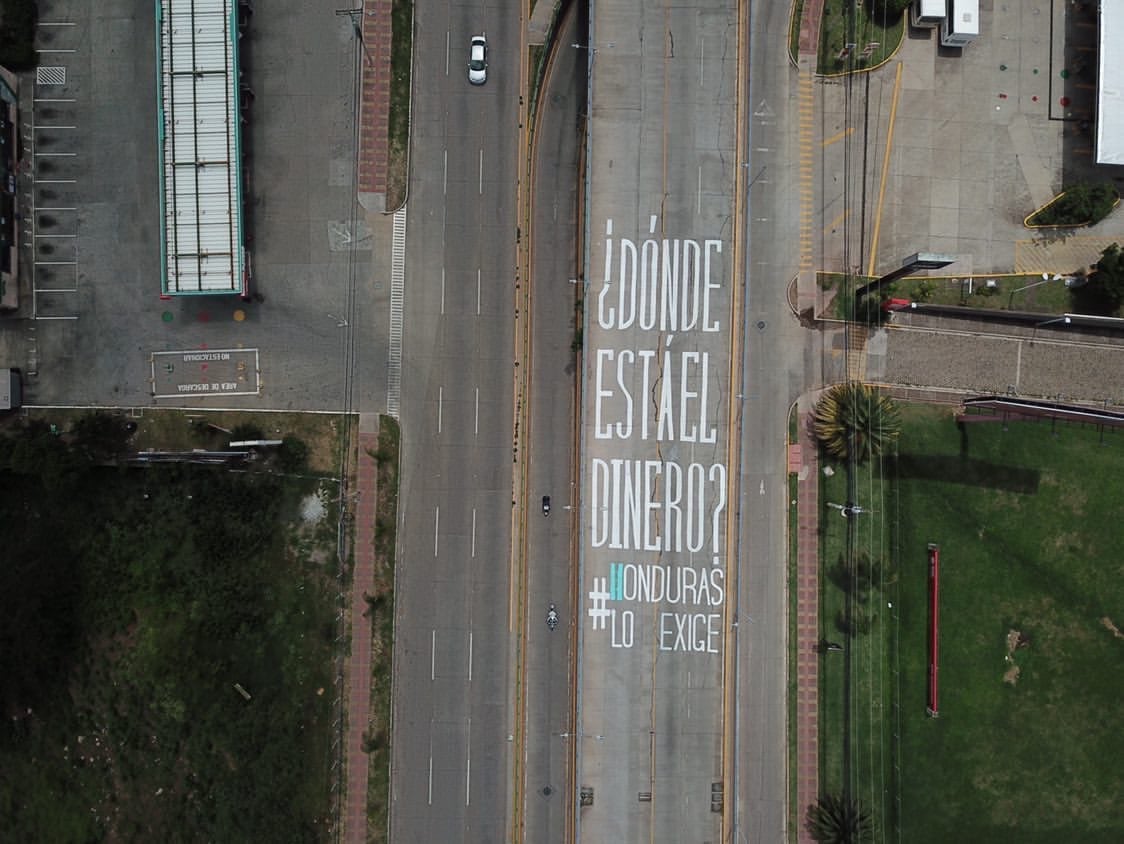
(205, 372)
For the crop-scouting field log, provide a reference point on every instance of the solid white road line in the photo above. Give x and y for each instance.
(476, 419)
(478, 292)
(481, 172)
(433, 654)
(436, 525)
(447, 52)
(473, 533)
(440, 406)
(470, 650)
(445, 171)
(468, 765)
(442, 291)
(431, 773)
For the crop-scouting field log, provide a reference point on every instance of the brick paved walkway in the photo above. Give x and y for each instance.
(802, 460)
(374, 106)
(359, 666)
(810, 28)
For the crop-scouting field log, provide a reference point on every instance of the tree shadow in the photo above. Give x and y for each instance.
(968, 470)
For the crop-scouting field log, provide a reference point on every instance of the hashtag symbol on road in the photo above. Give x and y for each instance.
(599, 596)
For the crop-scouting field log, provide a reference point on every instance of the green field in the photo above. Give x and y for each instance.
(1030, 534)
(166, 644)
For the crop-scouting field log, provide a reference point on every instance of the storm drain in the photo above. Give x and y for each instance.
(50, 76)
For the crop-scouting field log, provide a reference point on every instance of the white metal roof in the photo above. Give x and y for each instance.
(1110, 86)
(200, 166)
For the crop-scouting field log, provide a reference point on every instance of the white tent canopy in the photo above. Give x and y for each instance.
(1110, 85)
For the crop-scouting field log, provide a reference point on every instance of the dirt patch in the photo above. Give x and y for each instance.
(1015, 639)
(1107, 622)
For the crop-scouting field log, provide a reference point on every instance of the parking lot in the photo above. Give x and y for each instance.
(977, 138)
(92, 316)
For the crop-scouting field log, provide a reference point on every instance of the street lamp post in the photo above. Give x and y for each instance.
(1065, 320)
(1045, 278)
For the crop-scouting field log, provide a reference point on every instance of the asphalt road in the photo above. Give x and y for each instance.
(778, 360)
(451, 755)
(548, 797)
(655, 453)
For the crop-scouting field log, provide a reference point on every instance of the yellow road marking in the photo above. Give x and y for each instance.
(836, 222)
(885, 171)
(838, 136)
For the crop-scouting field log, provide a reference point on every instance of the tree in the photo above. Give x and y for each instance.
(1103, 293)
(833, 819)
(853, 421)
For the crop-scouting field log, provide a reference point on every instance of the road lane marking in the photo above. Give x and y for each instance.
(447, 49)
(468, 765)
(476, 426)
(430, 771)
(445, 176)
(481, 172)
(470, 632)
(436, 525)
(698, 194)
(433, 654)
(397, 313)
(54, 100)
(440, 406)
(55, 154)
(473, 554)
(442, 291)
(478, 292)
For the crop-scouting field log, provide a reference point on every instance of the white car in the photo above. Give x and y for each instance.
(478, 60)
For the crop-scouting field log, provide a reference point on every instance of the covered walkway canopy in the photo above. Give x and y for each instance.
(200, 154)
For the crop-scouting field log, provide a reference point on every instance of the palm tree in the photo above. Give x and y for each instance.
(853, 420)
(833, 819)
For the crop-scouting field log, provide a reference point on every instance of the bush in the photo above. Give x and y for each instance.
(293, 454)
(1078, 205)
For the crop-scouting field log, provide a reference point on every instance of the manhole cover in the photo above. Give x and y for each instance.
(50, 76)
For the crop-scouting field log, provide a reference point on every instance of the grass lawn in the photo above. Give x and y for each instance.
(838, 29)
(1012, 292)
(381, 607)
(1029, 531)
(398, 120)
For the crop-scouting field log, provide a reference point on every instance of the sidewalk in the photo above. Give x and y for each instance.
(359, 664)
(374, 105)
(802, 460)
